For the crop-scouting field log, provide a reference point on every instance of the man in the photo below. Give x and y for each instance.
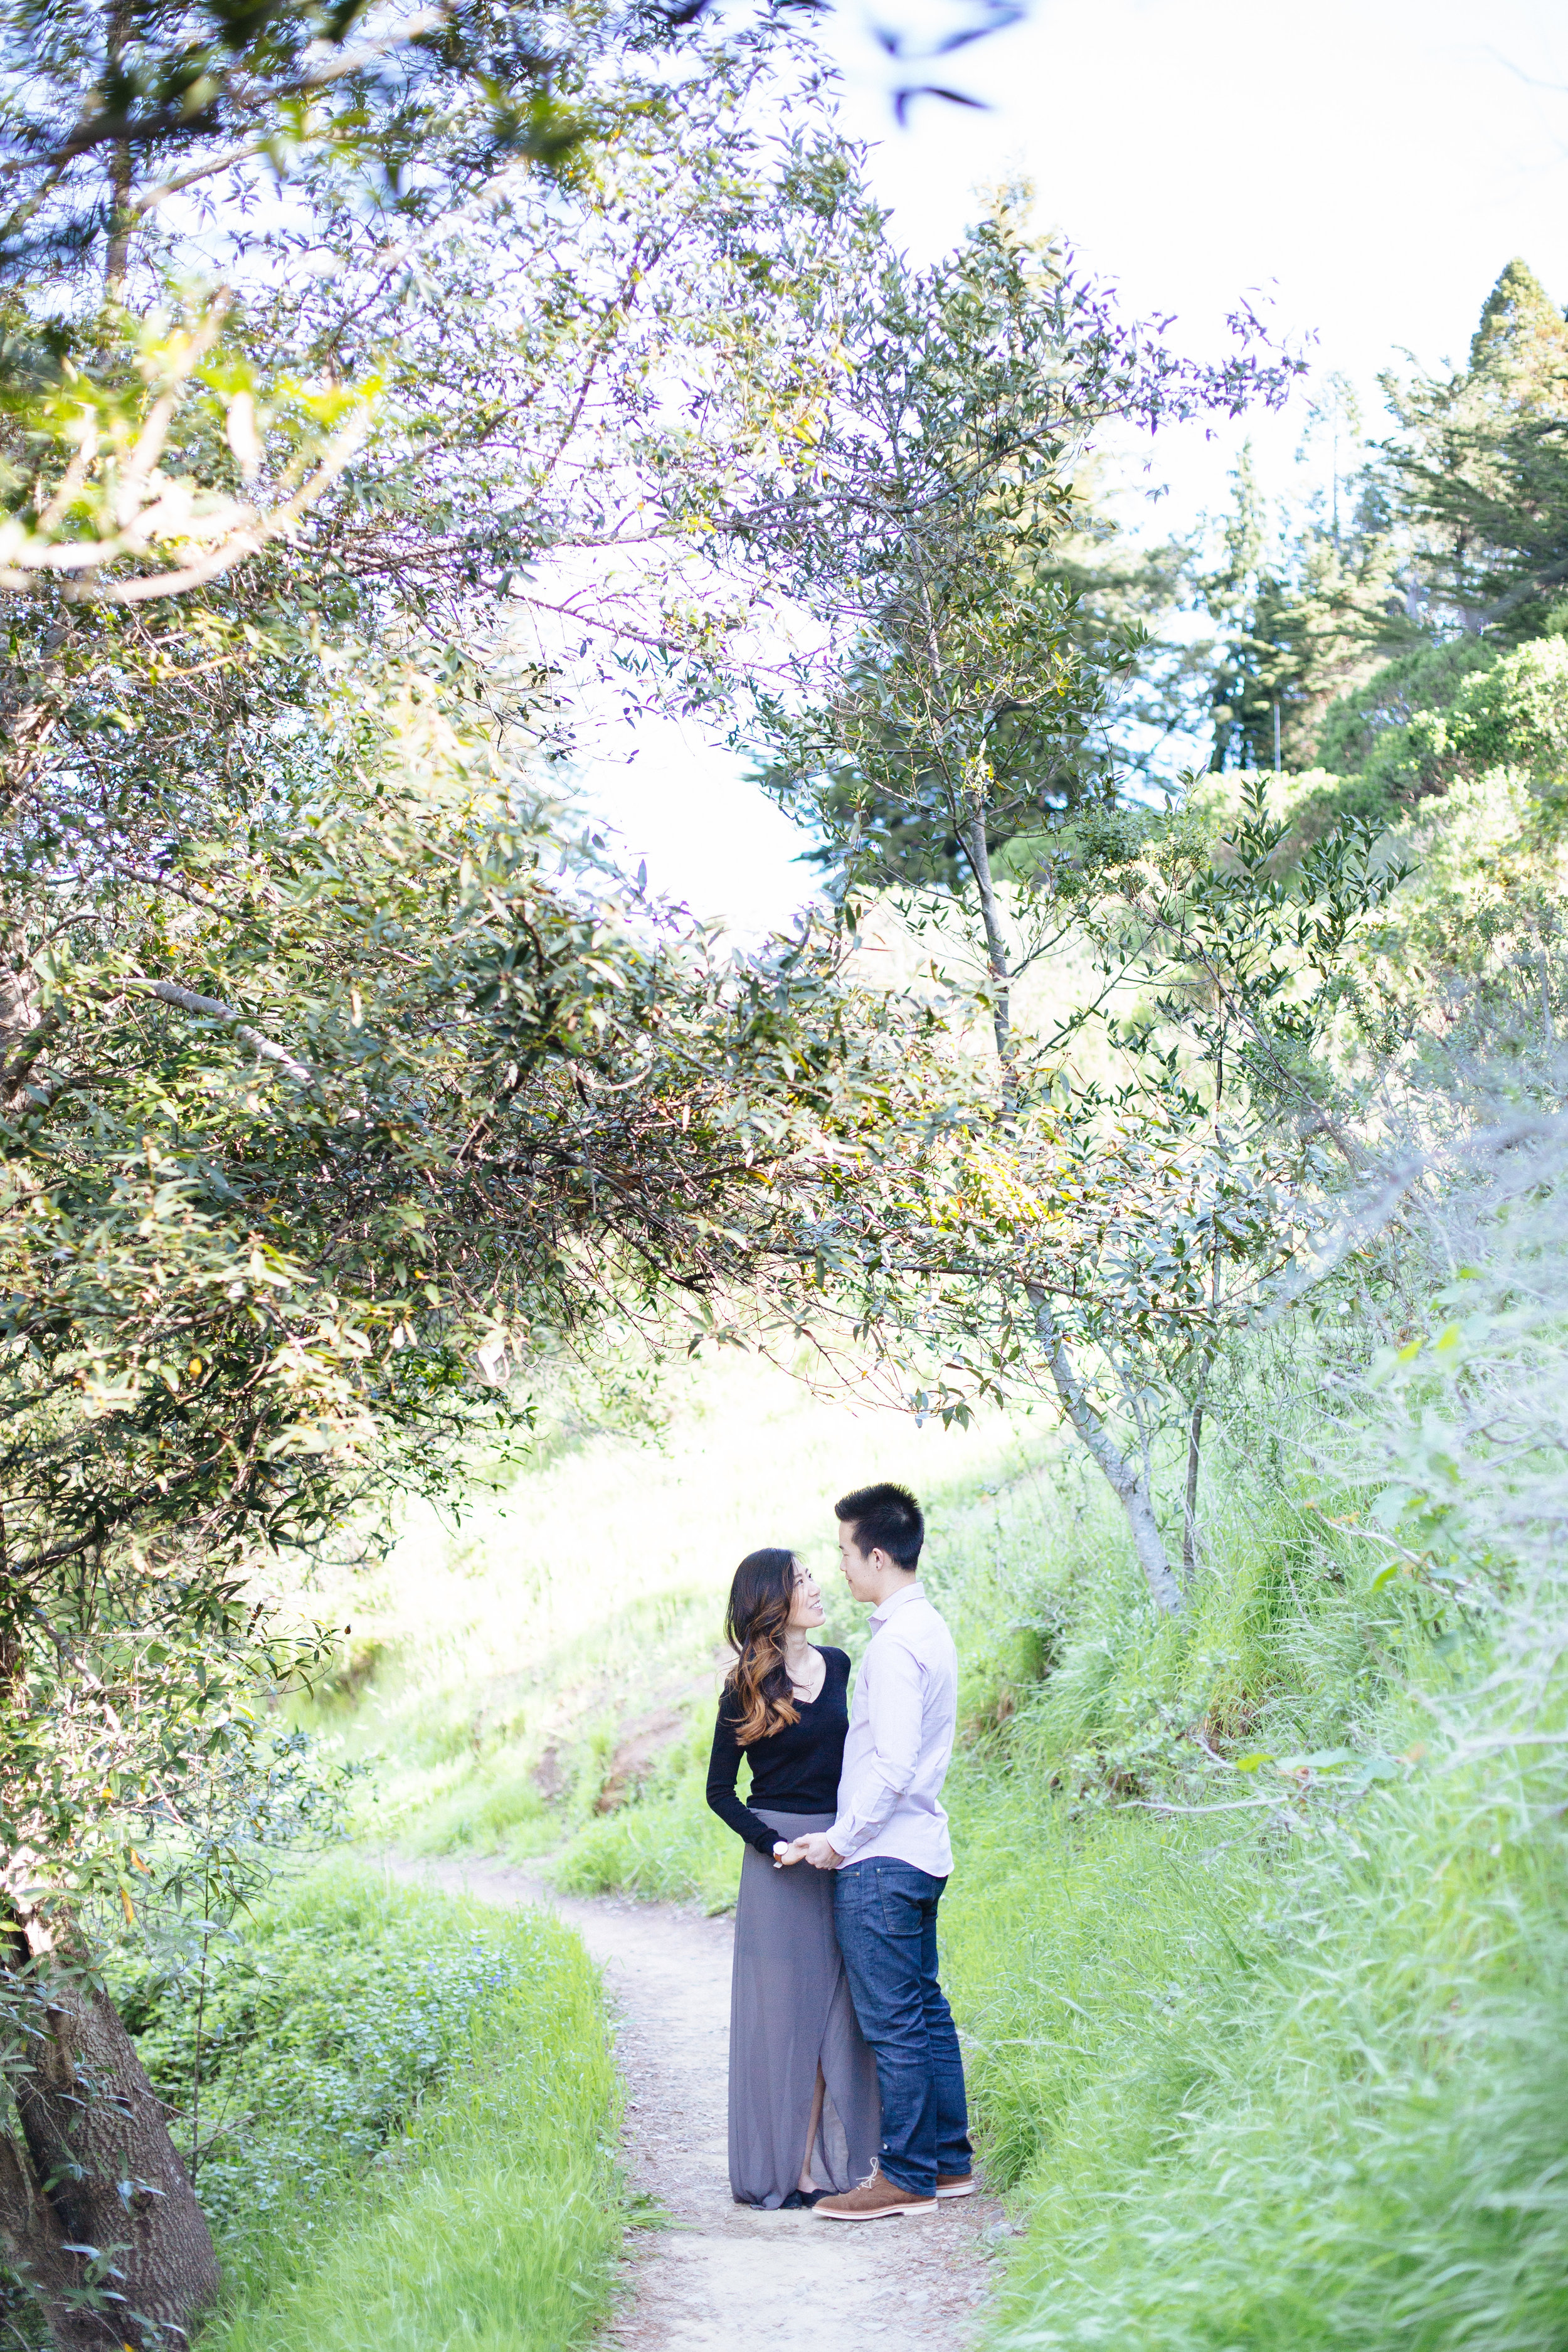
(889, 1848)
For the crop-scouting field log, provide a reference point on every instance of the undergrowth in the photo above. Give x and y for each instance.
(407, 2125)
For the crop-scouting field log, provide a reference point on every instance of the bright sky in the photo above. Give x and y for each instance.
(1368, 164)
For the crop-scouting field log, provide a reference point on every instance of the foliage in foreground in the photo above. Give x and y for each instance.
(408, 2112)
(276, 879)
(1274, 2051)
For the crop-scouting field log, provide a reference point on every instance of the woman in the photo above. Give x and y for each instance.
(804, 2116)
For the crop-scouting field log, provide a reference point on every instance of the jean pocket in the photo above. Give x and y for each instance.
(897, 1904)
(850, 1889)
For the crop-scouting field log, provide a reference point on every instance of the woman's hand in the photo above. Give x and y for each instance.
(784, 1855)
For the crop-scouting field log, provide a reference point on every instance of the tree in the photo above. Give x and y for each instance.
(923, 530)
(1088, 1210)
(1479, 466)
(1304, 612)
(1018, 1218)
(335, 1072)
(1109, 593)
(1258, 662)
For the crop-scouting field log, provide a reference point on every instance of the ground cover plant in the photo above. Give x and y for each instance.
(404, 2107)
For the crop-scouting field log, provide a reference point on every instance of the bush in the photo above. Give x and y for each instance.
(1428, 678)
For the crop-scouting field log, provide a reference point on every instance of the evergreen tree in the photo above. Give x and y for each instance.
(1305, 613)
(1254, 659)
(1479, 469)
(1110, 595)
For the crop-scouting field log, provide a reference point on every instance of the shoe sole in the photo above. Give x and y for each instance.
(882, 2213)
(960, 2189)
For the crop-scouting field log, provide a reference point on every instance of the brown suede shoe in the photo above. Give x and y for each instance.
(956, 2184)
(872, 2200)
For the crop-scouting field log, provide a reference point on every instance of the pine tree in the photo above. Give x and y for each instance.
(1306, 611)
(1479, 469)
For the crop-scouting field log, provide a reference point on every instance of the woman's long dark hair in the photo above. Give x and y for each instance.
(760, 1599)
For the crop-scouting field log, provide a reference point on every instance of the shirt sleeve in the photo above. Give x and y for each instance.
(724, 1770)
(894, 1710)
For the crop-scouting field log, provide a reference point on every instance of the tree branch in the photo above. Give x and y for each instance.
(213, 1008)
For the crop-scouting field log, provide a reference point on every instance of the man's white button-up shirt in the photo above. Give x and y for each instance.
(900, 1740)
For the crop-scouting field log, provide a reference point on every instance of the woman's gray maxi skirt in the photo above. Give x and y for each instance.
(790, 2007)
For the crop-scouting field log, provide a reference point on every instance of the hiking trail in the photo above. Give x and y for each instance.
(722, 2277)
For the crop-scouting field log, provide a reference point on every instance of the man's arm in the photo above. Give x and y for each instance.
(894, 1711)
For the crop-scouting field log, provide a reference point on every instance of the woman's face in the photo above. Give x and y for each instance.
(806, 1608)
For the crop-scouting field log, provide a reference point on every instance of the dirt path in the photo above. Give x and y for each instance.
(726, 2279)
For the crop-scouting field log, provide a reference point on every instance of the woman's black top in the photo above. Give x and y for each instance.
(793, 1769)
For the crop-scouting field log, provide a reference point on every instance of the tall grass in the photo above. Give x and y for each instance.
(1321, 2104)
(1325, 2110)
(421, 2106)
(499, 2234)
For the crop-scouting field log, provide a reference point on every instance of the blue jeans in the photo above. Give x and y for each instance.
(885, 1912)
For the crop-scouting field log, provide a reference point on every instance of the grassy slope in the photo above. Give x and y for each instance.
(1259, 2079)
(565, 1637)
(421, 2106)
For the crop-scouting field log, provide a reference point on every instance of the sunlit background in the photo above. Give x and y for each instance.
(1362, 167)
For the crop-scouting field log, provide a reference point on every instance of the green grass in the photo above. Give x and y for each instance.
(667, 1846)
(1299, 2099)
(1082, 1958)
(1260, 2080)
(422, 2108)
(500, 2233)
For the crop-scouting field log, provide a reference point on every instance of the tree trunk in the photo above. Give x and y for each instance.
(979, 852)
(1190, 1499)
(1200, 1397)
(117, 255)
(1195, 1452)
(97, 2210)
(1130, 1486)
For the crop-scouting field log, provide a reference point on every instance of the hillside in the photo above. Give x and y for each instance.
(1254, 1933)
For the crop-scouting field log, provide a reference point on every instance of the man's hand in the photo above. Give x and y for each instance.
(816, 1850)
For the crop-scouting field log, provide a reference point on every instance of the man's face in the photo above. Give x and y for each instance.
(860, 1574)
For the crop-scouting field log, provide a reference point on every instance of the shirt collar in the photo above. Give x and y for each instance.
(905, 1593)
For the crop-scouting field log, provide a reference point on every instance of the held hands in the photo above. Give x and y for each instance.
(814, 1849)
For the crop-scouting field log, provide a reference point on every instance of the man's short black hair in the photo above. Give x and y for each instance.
(884, 1518)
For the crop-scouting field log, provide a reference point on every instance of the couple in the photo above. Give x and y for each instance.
(846, 2082)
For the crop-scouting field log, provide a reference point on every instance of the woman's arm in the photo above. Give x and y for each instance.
(724, 1770)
